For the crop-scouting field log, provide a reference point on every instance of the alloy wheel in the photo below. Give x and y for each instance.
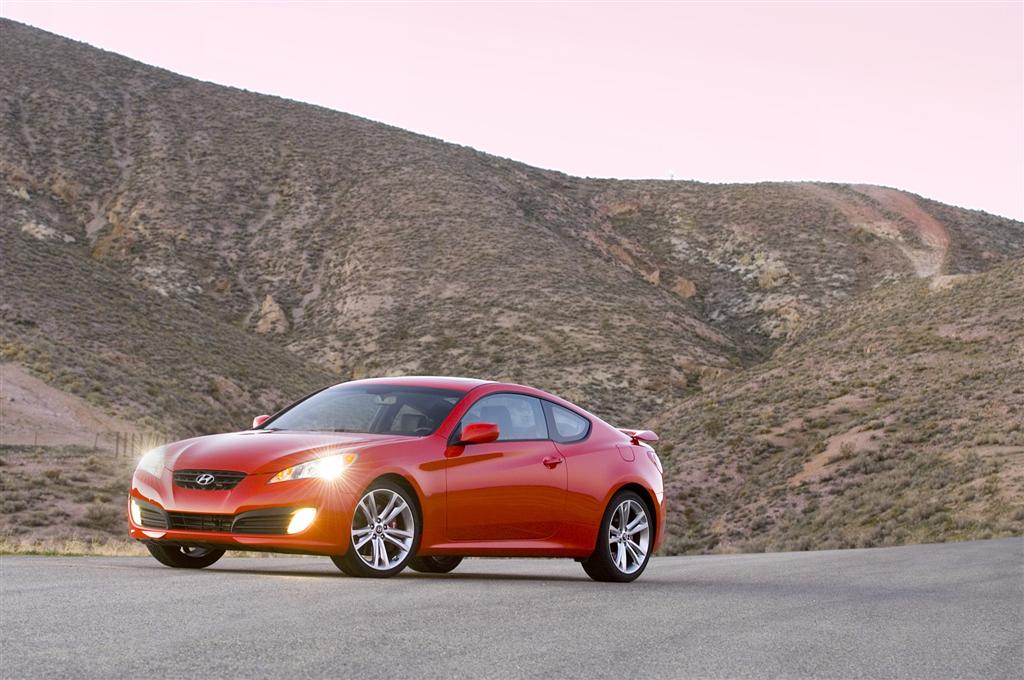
(383, 529)
(629, 536)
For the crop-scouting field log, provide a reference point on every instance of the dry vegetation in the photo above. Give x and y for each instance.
(898, 421)
(64, 500)
(186, 255)
(166, 366)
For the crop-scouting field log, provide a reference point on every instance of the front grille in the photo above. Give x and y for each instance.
(268, 522)
(196, 522)
(222, 479)
(273, 521)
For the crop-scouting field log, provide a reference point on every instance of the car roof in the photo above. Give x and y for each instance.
(437, 382)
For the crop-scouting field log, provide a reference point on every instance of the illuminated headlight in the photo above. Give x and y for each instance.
(328, 467)
(301, 520)
(152, 462)
(136, 511)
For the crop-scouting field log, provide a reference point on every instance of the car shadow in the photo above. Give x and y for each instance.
(470, 576)
(407, 575)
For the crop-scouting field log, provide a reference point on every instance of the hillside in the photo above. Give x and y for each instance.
(367, 250)
(159, 362)
(899, 421)
(184, 255)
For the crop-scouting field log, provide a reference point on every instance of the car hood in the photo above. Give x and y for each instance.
(257, 451)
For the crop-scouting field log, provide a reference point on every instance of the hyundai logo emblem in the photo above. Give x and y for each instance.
(205, 479)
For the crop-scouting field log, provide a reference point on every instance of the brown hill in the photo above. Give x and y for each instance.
(900, 420)
(186, 254)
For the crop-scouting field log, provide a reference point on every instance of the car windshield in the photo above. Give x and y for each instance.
(373, 409)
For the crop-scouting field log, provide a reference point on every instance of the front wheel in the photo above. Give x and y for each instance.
(384, 532)
(623, 541)
(434, 564)
(184, 557)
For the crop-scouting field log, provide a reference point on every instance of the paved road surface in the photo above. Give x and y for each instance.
(933, 611)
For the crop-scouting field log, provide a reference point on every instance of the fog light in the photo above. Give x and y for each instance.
(301, 520)
(136, 511)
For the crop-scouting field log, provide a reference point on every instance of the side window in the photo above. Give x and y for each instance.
(567, 427)
(517, 416)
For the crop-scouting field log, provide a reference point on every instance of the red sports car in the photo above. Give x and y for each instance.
(393, 472)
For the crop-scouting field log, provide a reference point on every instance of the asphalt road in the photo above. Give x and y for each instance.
(933, 611)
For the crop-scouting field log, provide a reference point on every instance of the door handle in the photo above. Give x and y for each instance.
(552, 461)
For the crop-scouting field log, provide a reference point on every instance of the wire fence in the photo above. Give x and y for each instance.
(119, 444)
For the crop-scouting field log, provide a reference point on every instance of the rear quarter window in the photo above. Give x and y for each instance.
(567, 426)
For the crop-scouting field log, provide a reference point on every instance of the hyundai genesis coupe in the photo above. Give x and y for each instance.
(387, 473)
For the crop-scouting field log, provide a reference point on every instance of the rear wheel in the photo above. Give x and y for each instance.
(623, 541)
(384, 532)
(184, 557)
(434, 564)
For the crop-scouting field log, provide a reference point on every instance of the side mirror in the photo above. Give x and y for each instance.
(258, 421)
(479, 433)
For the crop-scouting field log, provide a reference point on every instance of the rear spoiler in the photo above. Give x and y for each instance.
(639, 435)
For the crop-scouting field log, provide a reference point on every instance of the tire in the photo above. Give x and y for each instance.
(183, 557)
(441, 564)
(380, 525)
(619, 557)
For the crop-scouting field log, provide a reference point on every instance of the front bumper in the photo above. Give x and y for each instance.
(245, 517)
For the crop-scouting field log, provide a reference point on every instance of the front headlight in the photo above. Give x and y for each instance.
(328, 467)
(152, 462)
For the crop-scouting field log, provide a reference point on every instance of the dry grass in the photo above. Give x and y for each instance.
(873, 427)
(70, 547)
(57, 496)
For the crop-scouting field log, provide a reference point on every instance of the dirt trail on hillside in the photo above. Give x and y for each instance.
(928, 256)
(33, 412)
(932, 232)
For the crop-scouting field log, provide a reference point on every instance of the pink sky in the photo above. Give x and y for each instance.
(924, 97)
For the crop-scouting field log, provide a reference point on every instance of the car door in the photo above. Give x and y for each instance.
(510, 489)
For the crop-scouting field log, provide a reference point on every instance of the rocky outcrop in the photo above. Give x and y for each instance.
(272, 317)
